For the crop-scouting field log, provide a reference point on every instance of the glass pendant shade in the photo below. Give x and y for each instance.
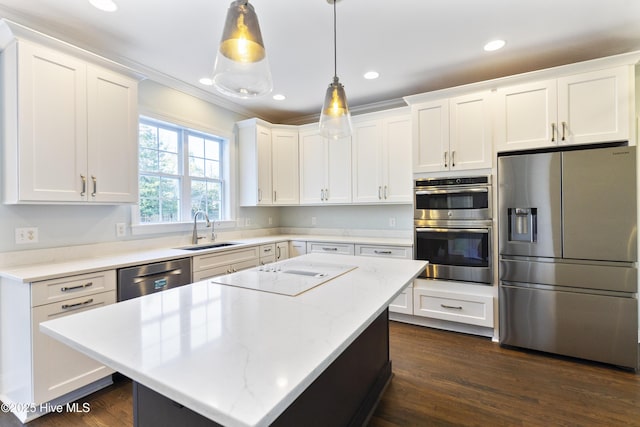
(241, 69)
(335, 119)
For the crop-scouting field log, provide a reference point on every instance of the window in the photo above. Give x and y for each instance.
(181, 171)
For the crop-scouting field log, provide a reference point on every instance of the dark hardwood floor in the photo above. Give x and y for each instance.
(448, 379)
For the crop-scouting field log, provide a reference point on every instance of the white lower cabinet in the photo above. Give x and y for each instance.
(462, 307)
(37, 369)
(267, 254)
(230, 261)
(282, 251)
(403, 303)
(297, 248)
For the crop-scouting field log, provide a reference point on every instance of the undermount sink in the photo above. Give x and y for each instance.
(207, 246)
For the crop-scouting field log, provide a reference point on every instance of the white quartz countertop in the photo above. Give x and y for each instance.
(38, 270)
(237, 356)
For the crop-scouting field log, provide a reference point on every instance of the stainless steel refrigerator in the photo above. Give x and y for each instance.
(568, 253)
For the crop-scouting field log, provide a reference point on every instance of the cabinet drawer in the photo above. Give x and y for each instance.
(267, 250)
(267, 259)
(54, 290)
(385, 251)
(297, 248)
(205, 262)
(330, 248)
(225, 269)
(463, 308)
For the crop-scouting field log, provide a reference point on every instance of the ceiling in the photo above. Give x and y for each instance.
(416, 46)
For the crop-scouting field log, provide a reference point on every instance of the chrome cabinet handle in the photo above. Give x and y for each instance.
(451, 306)
(86, 285)
(259, 195)
(379, 192)
(95, 186)
(275, 196)
(445, 159)
(330, 249)
(564, 130)
(279, 254)
(382, 252)
(326, 194)
(84, 185)
(453, 159)
(321, 194)
(386, 195)
(553, 132)
(78, 304)
(267, 249)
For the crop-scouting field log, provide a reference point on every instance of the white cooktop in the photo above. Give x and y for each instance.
(291, 277)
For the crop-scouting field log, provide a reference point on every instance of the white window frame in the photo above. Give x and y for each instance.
(229, 178)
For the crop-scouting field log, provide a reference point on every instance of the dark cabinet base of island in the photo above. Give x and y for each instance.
(345, 394)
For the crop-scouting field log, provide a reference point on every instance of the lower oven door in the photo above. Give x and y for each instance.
(461, 253)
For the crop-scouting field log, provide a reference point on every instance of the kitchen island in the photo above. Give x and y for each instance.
(238, 356)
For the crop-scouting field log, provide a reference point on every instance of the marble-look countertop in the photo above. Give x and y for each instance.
(38, 271)
(237, 356)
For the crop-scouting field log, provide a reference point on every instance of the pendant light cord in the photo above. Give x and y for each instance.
(335, 43)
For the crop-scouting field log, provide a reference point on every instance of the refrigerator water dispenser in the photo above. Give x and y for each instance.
(523, 224)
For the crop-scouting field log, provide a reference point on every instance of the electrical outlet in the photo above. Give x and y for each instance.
(313, 220)
(392, 221)
(247, 222)
(27, 235)
(121, 229)
(270, 221)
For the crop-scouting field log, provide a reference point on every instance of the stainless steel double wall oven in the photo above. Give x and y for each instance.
(452, 226)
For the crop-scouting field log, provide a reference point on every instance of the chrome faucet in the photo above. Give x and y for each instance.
(195, 238)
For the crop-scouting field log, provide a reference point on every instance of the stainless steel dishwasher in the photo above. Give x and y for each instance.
(146, 279)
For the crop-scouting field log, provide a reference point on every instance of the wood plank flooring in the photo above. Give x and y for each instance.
(447, 379)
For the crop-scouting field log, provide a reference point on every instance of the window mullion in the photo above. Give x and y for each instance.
(186, 178)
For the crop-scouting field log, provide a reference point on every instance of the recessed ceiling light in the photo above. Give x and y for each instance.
(494, 45)
(105, 5)
(206, 81)
(279, 97)
(370, 75)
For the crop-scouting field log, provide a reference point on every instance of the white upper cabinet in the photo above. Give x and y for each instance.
(453, 134)
(584, 108)
(70, 131)
(255, 163)
(381, 160)
(268, 164)
(325, 169)
(284, 152)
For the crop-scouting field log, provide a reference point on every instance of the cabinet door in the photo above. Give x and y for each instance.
(470, 136)
(284, 152)
(367, 162)
(112, 136)
(52, 126)
(282, 250)
(312, 167)
(594, 107)
(58, 369)
(397, 176)
(526, 116)
(431, 136)
(338, 189)
(263, 152)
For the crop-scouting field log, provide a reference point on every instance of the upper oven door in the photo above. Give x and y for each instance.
(473, 202)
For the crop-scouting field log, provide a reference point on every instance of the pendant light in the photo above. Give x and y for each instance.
(335, 119)
(241, 69)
